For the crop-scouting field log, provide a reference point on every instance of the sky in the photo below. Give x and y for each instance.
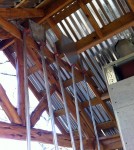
(9, 81)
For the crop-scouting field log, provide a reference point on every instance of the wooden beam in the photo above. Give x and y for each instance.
(8, 107)
(19, 133)
(21, 13)
(131, 4)
(108, 31)
(111, 142)
(4, 35)
(40, 108)
(55, 7)
(9, 27)
(59, 112)
(20, 80)
(67, 12)
(107, 125)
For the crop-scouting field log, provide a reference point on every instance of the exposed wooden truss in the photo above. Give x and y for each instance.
(13, 35)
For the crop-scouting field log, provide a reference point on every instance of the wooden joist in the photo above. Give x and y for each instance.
(4, 35)
(131, 4)
(111, 142)
(9, 27)
(8, 107)
(55, 7)
(21, 13)
(108, 31)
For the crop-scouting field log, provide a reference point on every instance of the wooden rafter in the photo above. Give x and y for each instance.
(8, 107)
(55, 7)
(131, 4)
(111, 142)
(108, 31)
(21, 13)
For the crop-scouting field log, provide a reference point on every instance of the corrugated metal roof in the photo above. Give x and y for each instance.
(76, 26)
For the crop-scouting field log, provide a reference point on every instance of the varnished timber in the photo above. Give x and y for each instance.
(131, 4)
(9, 27)
(67, 12)
(108, 31)
(4, 35)
(111, 142)
(40, 108)
(20, 80)
(21, 13)
(107, 125)
(55, 7)
(19, 133)
(8, 108)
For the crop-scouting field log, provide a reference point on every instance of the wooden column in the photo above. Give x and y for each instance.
(20, 80)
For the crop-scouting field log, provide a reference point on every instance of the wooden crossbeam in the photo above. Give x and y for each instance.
(19, 133)
(106, 125)
(9, 27)
(109, 30)
(55, 7)
(131, 4)
(4, 35)
(21, 13)
(111, 142)
(8, 107)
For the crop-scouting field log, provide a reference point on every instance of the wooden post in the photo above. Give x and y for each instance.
(20, 80)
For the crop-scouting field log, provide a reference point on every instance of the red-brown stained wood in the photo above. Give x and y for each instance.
(9, 27)
(111, 142)
(131, 4)
(21, 13)
(41, 107)
(8, 107)
(19, 133)
(20, 80)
